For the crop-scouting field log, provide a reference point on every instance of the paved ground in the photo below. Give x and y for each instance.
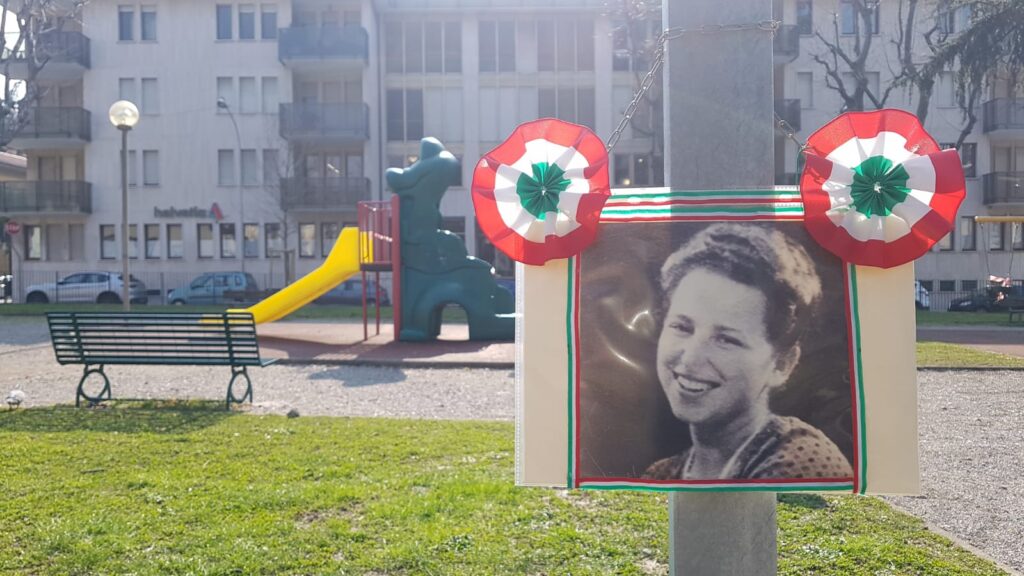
(1004, 340)
(970, 423)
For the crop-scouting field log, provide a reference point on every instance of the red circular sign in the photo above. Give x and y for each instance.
(12, 227)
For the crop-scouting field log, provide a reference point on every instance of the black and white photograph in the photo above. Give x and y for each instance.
(712, 351)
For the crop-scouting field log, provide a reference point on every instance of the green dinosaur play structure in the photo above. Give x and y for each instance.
(436, 268)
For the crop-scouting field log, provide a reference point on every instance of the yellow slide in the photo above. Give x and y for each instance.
(341, 263)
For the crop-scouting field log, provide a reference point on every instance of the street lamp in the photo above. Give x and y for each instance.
(223, 105)
(124, 116)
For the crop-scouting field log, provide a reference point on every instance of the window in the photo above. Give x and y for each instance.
(947, 285)
(251, 240)
(638, 170)
(148, 28)
(268, 21)
(175, 243)
(152, 232)
(393, 42)
(455, 225)
(224, 22)
(76, 236)
(270, 168)
(126, 89)
(967, 233)
(952, 20)
(1016, 236)
(497, 43)
(996, 236)
(968, 156)
(453, 47)
(225, 90)
(805, 89)
(270, 100)
(133, 171)
(850, 16)
(250, 168)
(133, 241)
(307, 240)
(565, 45)
(945, 90)
(804, 17)
(125, 22)
(968, 285)
(246, 21)
(226, 167)
(405, 114)
(946, 244)
(413, 37)
(150, 96)
(433, 40)
(33, 242)
(329, 232)
(628, 41)
(228, 243)
(248, 100)
(108, 242)
(204, 234)
(927, 285)
(274, 240)
(150, 168)
(571, 104)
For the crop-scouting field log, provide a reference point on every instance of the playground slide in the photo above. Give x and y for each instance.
(341, 263)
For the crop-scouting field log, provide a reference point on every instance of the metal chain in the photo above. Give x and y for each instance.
(659, 59)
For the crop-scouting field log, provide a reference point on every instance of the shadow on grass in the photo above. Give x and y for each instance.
(122, 416)
(811, 501)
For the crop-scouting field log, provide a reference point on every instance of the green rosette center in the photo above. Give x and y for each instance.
(539, 194)
(878, 186)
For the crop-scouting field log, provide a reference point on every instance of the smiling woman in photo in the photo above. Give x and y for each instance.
(737, 301)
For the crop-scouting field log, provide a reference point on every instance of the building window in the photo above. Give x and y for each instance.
(246, 21)
(270, 99)
(204, 234)
(274, 240)
(248, 99)
(271, 175)
(953, 20)
(968, 285)
(946, 244)
(804, 17)
(452, 47)
(148, 28)
(224, 22)
(1016, 236)
(497, 43)
(570, 103)
(251, 240)
(565, 45)
(947, 285)
(133, 171)
(405, 114)
(228, 243)
(393, 42)
(996, 237)
(108, 242)
(638, 170)
(329, 232)
(175, 243)
(133, 241)
(226, 167)
(225, 91)
(250, 168)
(307, 240)
(76, 234)
(850, 16)
(927, 285)
(126, 89)
(968, 235)
(125, 23)
(33, 242)
(150, 168)
(456, 225)
(968, 156)
(805, 89)
(268, 21)
(150, 103)
(152, 232)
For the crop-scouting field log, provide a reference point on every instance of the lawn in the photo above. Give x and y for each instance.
(188, 488)
(942, 355)
(927, 318)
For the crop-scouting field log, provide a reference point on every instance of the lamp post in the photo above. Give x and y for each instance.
(223, 105)
(124, 116)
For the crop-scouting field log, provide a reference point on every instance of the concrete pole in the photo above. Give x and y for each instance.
(719, 135)
(126, 301)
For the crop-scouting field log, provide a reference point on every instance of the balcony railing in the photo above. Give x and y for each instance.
(56, 46)
(323, 193)
(45, 196)
(45, 122)
(789, 110)
(349, 42)
(1003, 114)
(325, 121)
(1003, 187)
(786, 45)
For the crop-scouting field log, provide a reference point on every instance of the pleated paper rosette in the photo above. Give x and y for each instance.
(877, 190)
(539, 194)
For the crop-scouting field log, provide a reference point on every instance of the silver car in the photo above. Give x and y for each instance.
(99, 287)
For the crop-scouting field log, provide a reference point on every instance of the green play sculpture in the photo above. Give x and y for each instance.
(436, 269)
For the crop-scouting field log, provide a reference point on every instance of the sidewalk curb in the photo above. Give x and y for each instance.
(969, 369)
(395, 363)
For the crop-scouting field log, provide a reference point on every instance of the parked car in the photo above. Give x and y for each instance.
(99, 287)
(351, 292)
(215, 288)
(6, 287)
(922, 300)
(991, 299)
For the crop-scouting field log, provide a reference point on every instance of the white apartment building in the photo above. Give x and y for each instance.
(327, 94)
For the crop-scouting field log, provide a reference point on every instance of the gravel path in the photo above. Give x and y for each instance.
(971, 423)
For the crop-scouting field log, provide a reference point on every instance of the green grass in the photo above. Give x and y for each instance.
(927, 318)
(309, 312)
(185, 488)
(942, 355)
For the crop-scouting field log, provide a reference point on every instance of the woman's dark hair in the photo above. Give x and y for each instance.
(760, 257)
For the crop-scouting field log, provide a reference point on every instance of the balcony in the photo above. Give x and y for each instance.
(1004, 187)
(45, 197)
(66, 54)
(41, 127)
(1003, 114)
(317, 123)
(323, 193)
(786, 45)
(323, 47)
(789, 110)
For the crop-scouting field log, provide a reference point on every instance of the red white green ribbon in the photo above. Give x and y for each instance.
(877, 189)
(538, 196)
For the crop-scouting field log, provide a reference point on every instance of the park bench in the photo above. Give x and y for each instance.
(1018, 312)
(96, 340)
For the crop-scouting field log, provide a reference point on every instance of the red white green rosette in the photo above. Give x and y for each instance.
(539, 194)
(877, 189)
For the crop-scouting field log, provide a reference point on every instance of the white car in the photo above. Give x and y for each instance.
(922, 300)
(99, 287)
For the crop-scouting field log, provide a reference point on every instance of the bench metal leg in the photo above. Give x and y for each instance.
(239, 372)
(104, 393)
